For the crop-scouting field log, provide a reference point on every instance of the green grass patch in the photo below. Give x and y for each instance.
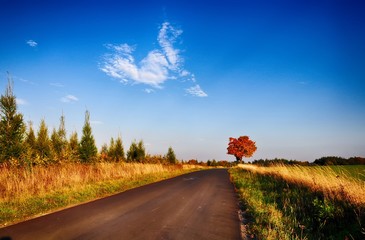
(282, 210)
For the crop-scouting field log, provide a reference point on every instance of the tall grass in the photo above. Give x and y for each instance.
(334, 184)
(286, 202)
(25, 192)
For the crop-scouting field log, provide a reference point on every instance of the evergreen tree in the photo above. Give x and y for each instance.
(74, 147)
(111, 149)
(12, 127)
(30, 139)
(43, 143)
(30, 145)
(170, 156)
(209, 163)
(116, 150)
(59, 140)
(55, 143)
(136, 152)
(141, 154)
(63, 139)
(119, 150)
(132, 152)
(87, 150)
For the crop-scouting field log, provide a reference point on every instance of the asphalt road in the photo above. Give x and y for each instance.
(199, 205)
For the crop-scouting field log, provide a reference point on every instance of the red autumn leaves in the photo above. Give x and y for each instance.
(241, 147)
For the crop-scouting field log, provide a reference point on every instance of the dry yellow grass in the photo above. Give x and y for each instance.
(322, 179)
(22, 183)
(25, 193)
(192, 166)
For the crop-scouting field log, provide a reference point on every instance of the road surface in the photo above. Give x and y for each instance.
(199, 205)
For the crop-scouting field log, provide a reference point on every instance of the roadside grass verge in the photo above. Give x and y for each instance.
(29, 192)
(294, 202)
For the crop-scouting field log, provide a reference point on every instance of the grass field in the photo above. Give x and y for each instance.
(302, 202)
(354, 171)
(25, 193)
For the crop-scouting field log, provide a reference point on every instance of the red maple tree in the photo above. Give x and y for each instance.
(241, 147)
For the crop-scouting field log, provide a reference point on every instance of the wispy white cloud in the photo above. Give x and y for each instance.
(153, 70)
(121, 48)
(185, 73)
(23, 80)
(32, 43)
(59, 85)
(196, 91)
(69, 98)
(159, 65)
(20, 101)
(148, 90)
(166, 38)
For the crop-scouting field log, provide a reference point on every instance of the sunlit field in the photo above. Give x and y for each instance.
(337, 182)
(354, 171)
(26, 192)
(301, 202)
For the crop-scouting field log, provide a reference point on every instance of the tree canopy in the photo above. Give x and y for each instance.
(136, 152)
(241, 147)
(116, 150)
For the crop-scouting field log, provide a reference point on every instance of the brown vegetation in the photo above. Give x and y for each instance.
(26, 192)
(23, 182)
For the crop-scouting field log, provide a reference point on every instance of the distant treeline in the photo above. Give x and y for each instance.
(210, 163)
(332, 160)
(278, 161)
(323, 161)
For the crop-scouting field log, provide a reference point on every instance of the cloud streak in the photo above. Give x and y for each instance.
(149, 90)
(69, 99)
(158, 66)
(32, 43)
(196, 91)
(56, 84)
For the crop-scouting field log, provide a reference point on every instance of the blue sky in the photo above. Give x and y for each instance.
(187, 74)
